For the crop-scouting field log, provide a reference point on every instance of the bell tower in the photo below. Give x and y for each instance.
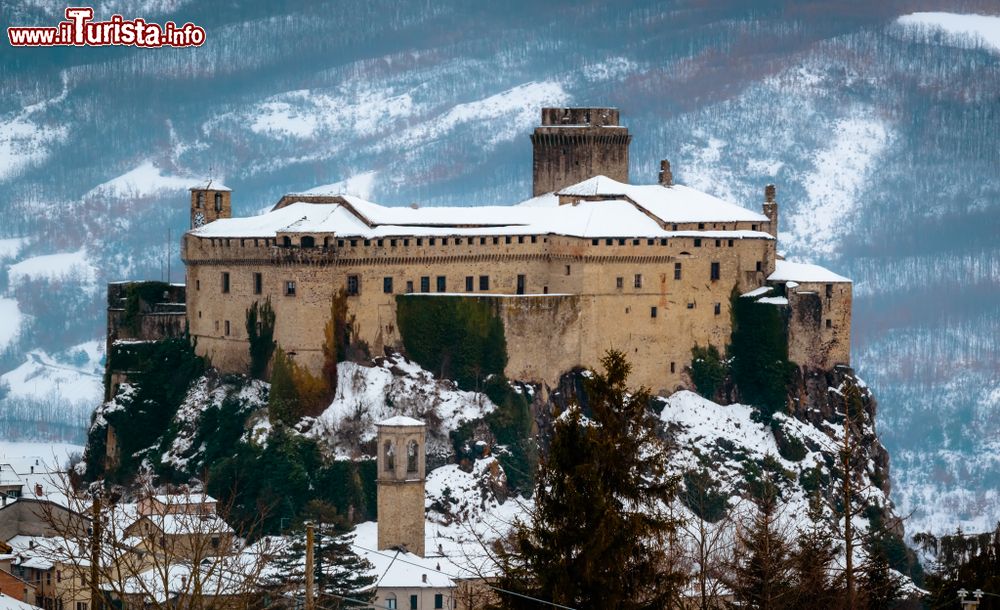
(401, 469)
(210, 202)
(573, 144)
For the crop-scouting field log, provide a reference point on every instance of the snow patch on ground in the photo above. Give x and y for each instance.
(62, 266)
(835, 186)
(145, 180)
(75, 376)
(359, 185)
(11, 246)
(984, 29)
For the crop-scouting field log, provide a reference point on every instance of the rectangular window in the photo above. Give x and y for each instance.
(521, 281)
(635, 242)
(637, 281)
(672, 367)
(760, 265)
(697, 242)
(290, 289)
(652, 312)
(829, 290)
(258, 283)
(380, 243)
(534, 239)
(753, 227)
(409, 286)
(391, 603)
(458, 241)
(567, 269)
(420, 241)
(425, 284)
(718, 243)
(677, 271)
(438, 601)
(470, 282)
(354, 243)
(730, 243)
(406, 243)
(691, 305)
(197, 284)
(392, 243)
(595, 242)
(715, 271)
(619, 283)
(431, 241)
(227, 328)
(482, 241)
(506, 239)
(663, 242)
(413, 602)
(701, 226)
(225, 281)
(609, 242)
(621, 242)
(353, 285)
(387, 285)
(520, 239)
(484, 282)
(442, 283)
(718, 309)
(829, 323)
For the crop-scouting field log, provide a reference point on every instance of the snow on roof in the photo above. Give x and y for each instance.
(209, 185)
(9, 603)
(756, 292)
(181, 523)
(184, 499)
(786, 271)
(633, 214)
(400, 420)
(398, 569)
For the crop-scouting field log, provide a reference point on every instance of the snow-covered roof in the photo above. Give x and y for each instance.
(184, 499)
(209, 185)
(398, 569)
(787, 271)
(401, 420)
(9, 603)
(180, 524)
(622, 211)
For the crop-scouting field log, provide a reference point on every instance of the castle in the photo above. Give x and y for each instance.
(589, 263)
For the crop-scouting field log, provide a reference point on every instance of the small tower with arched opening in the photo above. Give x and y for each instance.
(209, 202)
(401, 469)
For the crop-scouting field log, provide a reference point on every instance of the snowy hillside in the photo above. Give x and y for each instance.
(876, 121)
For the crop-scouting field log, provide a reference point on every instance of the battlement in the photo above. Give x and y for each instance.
(573, 144)
(594, 117)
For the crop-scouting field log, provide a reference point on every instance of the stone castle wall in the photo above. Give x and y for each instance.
(610, 307)
(819, 328)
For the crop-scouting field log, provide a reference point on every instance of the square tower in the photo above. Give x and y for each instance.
(210, 202)
(401, 470)
(573, 144)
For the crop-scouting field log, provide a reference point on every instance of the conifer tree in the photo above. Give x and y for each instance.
(600, 533)
(260, 336)
(762, 566)
(812, 561)
(283, 399)
(338, 572)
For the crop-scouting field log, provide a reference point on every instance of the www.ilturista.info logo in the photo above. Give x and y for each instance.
(79, 29)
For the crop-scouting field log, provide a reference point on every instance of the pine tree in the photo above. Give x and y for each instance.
(812, 562)
(879, 588)
(762, 566)
(338, 572)
(260, 336)
(600, 533)
(283, 399)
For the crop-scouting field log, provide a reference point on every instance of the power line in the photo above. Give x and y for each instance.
(494, 588)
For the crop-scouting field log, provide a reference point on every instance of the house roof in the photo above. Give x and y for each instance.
(622, 210)
(787, 271)
(400, 420)
(9, 603)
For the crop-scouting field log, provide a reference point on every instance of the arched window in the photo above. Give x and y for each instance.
(389, 455)
(218, 202)
(412, 450)
(308, 241)
(201, 200)
(286, 241)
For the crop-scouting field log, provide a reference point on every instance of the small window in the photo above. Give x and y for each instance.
(308, 241)
(197, 284)
(290, 289)
(353, 285)
(484, 282)
(753, 227)
(697, 242)
(201, 200)
(715, 273)
(595, 242)
(218, 202)
(701, 226)
(506, 239)
(368, 242)
(496, 240)
(258, 283)
(432, 241)
(412, 456)
(635, 242)
(673, 227)
(391, 603)
(458, 241)
(829, 290)
(677, 271)
(718, 309)
(406, 243)
(760, 265)
(652, 312)
(409, 286)
(425, 284)
(568, 269)
(413, 602)
(389, 455)
(829, 323)
(619, 283)
(216, 326)
(444, 241)
(621, 242)
(354, 243)
(387, 285)
(225, 281)
(420, 241)
(691, 305)
(730, 243)
(227, 328)
(649, 242)
(520, 239)
(470, 283)
(442, 283)
(663, 242)
(438, 601)
(718, 243)
(609, 242)
(521, 282)
(482, 241)
(286, 241)
(637, 280)
(672, 367)
(392, 243)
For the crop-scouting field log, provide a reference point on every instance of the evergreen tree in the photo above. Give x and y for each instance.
(879, 588)
(812, 561)
(600, 533)
(338, 571)
(762, 566)
(283, 399)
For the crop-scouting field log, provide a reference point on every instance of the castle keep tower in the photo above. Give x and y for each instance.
(210, 202)
(573, 144)
(401, 468)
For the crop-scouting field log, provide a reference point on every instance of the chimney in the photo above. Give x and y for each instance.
(771, 209)
(666, 176)
(38, 489)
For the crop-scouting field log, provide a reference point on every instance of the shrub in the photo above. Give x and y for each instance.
(708, 370)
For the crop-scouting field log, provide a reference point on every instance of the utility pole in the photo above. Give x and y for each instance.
(95, 552)
(310, 576)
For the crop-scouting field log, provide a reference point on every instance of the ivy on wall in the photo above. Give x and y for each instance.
(759, 350)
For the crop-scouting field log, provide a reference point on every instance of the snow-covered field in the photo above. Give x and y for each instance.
(983, 29)
(74, 377)
(61, 266)
(53, 455)
(145, 180)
